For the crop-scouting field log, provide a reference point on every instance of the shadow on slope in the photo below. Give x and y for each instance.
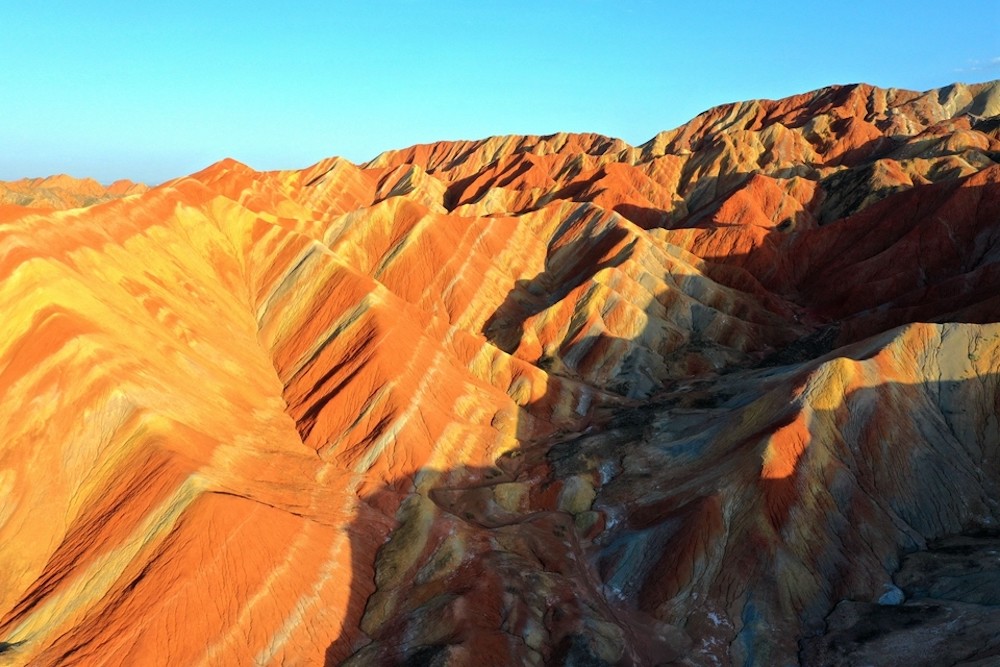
(681, 529)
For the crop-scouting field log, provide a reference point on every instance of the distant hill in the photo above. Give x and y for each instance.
(62, 191)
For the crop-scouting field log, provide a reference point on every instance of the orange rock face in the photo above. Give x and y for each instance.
(525, 400)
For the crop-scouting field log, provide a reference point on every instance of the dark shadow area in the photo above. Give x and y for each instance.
(613, 574)
(851, 190)
(950, 590)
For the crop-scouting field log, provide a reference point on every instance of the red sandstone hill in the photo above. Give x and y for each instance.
(523, 400)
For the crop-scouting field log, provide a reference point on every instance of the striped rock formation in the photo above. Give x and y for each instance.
(525, 400)
(61, 192)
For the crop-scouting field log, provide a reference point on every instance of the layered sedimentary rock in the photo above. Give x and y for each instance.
(951, 613)
(525, 400)
(61, 192)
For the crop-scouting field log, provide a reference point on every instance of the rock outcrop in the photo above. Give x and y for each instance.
(951, 615)
(524, 400)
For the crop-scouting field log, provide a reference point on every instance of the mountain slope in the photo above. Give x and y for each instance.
(520, 400)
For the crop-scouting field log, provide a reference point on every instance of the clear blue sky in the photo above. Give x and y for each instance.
(151, 91)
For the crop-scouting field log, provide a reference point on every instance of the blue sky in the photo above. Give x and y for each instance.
(115, 89)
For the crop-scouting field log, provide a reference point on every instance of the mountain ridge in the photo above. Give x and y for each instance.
(517, 400)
